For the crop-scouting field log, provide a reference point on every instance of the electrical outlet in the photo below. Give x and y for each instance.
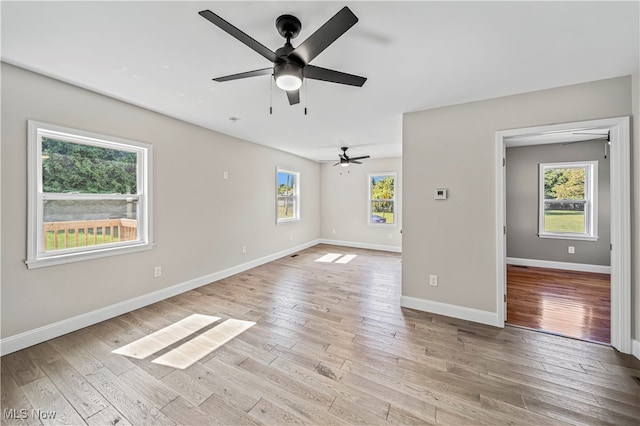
(157, 271)
(433, 280)
(244, 249)
(225, 175)
(572, 250)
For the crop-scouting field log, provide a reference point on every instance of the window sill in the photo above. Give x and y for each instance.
(569, 237)
(78, 257)
(283, 221)
(382, 225)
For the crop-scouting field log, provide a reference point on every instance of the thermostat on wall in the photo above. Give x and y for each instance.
(440, 194)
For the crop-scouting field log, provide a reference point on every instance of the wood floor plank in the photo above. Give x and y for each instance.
(108, 416)
(291, 383)
(152, 389)
(76, 354)
(269, 413)
(48, 407)
(226, 388)
(84, 398)
(23, 369)
(344, 409)
(16, 408)
(555, 300)
(126, 400)
(282, 397)
(331, 345)
(326, 383)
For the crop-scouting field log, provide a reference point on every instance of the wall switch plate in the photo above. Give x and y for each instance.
(244, 249)
(433, 280)
(225, 174)
(572, 250)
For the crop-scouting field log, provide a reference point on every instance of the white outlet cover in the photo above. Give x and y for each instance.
(439, 194)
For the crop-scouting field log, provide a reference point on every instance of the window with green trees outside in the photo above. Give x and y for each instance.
(382, 199)
(287, 196)
(568, 200)
(88, 195)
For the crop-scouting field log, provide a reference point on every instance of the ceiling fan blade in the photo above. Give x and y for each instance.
(355, 162)
(324, 74)
(294, 96)
(247, 74)
(239, 35)
(359, 158)
(325, 35)
(337, 164)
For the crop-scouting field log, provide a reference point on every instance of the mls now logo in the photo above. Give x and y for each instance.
(24, 414)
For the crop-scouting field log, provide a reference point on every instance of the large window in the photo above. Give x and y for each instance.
(287, 195)
(382, 199)
(568, 200)
(89, 195)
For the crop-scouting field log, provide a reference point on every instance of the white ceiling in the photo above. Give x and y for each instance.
(416, 55)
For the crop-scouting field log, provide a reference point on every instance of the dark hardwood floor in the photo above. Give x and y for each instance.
(331, 345)
(570, 303)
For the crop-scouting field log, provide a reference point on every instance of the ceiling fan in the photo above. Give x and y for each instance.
(291, 64)
(345, 160)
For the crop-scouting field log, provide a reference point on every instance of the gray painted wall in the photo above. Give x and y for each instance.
(522, 204)
(195, 234)
(455, 147)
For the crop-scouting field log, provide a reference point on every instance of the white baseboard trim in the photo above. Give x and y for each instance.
(50, 331)
(381, 247)
(454, 311)
(635, 348)
(567, 266)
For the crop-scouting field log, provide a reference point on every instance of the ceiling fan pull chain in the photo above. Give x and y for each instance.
(271, 98)
(306, 94)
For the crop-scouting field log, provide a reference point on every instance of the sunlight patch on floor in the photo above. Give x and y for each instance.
(336, 258)
(200, 346)
(346, 258)
(329, 257)
(165, 337)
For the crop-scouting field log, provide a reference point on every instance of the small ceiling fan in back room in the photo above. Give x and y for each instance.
(291, 64)
(345, 160)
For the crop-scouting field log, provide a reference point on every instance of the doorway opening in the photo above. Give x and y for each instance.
(617, 130)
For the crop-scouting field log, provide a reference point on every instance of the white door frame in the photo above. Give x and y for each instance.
(620, 156)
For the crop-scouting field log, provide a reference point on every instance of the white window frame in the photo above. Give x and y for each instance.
(394, 200)
(591, 201)
(36, 255)
(295, 197)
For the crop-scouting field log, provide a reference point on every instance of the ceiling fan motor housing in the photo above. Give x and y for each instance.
(288, 26)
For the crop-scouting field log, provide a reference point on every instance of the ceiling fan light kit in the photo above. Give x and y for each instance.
(291, 64)
(288, 76)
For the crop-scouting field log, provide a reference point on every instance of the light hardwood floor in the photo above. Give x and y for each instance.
(570, 303)
(330, 346)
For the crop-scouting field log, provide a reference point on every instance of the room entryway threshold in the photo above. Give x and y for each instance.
(553, 333)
